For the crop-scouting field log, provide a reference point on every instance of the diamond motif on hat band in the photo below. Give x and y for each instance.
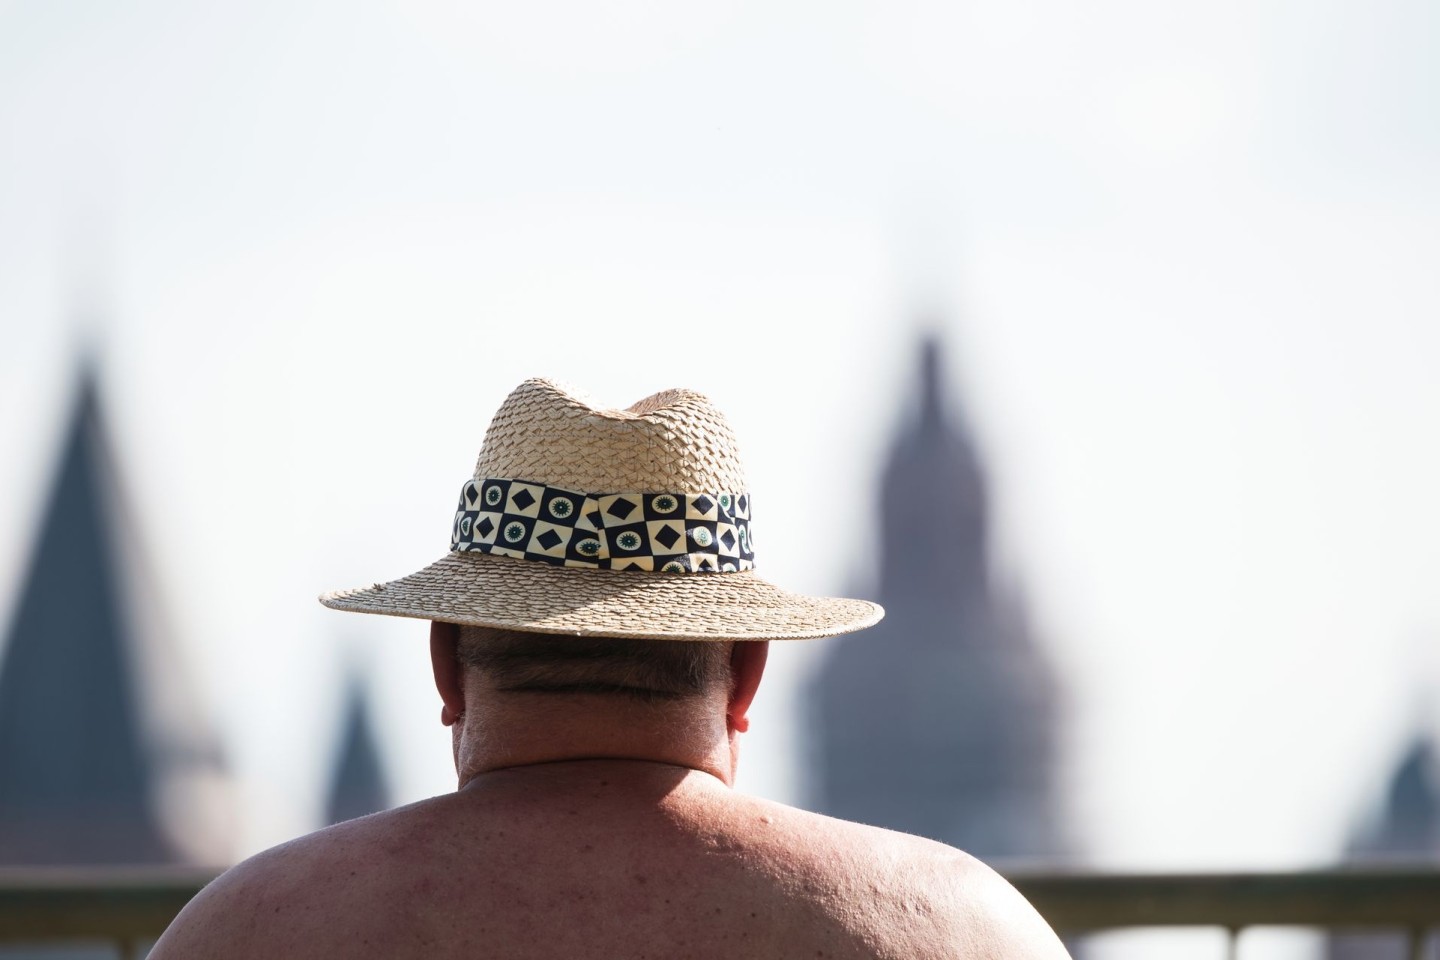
(593, 526)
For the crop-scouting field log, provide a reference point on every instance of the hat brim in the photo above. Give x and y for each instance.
(511, 594)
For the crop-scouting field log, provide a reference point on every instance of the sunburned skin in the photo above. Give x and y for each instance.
(606, 859)
(594, 827)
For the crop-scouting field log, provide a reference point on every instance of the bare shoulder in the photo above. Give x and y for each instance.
(278, 899)
(242, 910)
(392, 886)
(917, 898)
(975, 906)
(224, 918)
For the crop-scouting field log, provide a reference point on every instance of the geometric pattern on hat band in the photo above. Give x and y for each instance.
(658, 532)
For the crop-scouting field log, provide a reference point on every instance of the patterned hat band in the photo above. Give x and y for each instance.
(666, 532)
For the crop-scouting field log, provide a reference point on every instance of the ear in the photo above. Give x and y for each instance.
(443, 640)
(747, 664)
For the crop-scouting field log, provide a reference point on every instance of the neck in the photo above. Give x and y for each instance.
(512, 731)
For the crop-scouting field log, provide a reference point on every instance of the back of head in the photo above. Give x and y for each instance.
(637, 670)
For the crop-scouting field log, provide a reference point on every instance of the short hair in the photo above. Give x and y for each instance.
(647, 670)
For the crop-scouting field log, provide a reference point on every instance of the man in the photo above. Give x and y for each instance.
(597, 637)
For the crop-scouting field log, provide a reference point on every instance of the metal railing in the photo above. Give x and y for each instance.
(127, 908)
(130, 908)
(1402, 900)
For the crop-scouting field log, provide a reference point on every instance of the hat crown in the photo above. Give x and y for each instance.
(673, 441)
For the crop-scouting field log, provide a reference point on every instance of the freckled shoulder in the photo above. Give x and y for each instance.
(776, 883)
(232, 917)
(904, 895)
(264, 905)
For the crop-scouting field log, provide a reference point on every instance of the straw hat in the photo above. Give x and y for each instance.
(608, 523)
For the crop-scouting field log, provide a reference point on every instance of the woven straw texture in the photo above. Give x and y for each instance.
(504, 592)
(674, 441)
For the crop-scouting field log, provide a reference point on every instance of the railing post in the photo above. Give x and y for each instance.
(1417, 943)
(1232, 943)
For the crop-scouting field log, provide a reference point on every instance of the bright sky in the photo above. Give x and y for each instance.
(1183, 256)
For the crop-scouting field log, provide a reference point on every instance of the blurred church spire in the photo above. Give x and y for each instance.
(940, 720)
(1405, 831)
(933, 502)
(932, 397)
(91, 762)
(1407, 826)
(359, 787)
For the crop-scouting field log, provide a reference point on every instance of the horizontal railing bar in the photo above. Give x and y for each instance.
(1402, 899)
(94, 903)
(138, 903)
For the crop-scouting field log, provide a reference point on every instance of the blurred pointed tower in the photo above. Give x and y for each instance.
(1409, 824)
(100, 744)
(359, 787)
(1407, 832)
(939, 721)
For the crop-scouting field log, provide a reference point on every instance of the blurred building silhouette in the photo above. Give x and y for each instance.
(940, 721)
(359, 787)
(1407, 831)
(103, 757)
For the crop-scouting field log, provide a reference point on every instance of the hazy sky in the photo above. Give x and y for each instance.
(1182, 255)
